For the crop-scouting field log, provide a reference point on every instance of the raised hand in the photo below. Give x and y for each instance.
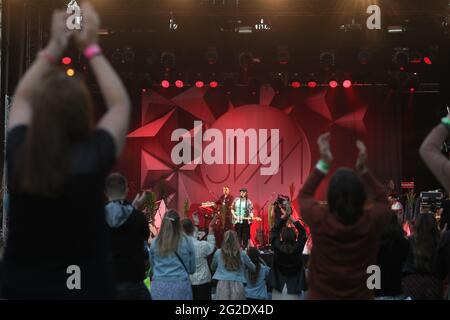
(89, 30)
(324, 148)
(139, 201)
(361, 166)
(60, 35)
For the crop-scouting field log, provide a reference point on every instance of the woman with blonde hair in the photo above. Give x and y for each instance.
(230, 264)
(172, 256)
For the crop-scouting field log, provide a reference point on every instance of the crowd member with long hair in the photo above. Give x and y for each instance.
(172, 257)
(287, 276)
(201, 279)
(256, 288)
(392, 254)
(421, 280)
(229, 264)
(346, 233)
(57, 163)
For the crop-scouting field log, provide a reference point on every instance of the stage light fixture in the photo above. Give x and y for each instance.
(416, 57)
(70, 72)
(128, 55)
(333, 84)
(364, 56)
(401, 58)
(66, 60)
(347, 84)
(413, 82)
(427, 60)
(168, 59)
(296, 84)
(212, 56)
(213, 84)
(312, 81)
(396, 29)
(327, 59)
(179, 83)
(199, 84)
(165, 84)
(283, 56)
(246, 60)
(312, 84)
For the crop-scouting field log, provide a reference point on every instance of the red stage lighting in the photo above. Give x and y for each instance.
(347, 84)
(427, 60)
(213, 84)
(296, 84)
(144, 90)
(179, 84)
(66, 60)
(165, 84)
(199, 84)
(312, 84)
(412, 90)
(333, 84)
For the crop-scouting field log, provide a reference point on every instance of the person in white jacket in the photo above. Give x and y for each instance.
(201, 279)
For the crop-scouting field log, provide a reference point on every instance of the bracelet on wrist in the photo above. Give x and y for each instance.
(92, 51)
(446, 122)
(323, 167)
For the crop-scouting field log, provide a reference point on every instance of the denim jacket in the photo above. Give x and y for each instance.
(170, 268)
(221, 273)
(258, 290)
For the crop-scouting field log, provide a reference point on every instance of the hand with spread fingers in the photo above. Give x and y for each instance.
(361, 166)
(324, 148)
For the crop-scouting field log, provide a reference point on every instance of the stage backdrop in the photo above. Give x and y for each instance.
(279, 149)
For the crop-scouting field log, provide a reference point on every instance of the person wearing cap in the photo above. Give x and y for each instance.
(242, 212)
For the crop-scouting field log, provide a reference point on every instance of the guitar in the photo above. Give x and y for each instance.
(242, 219)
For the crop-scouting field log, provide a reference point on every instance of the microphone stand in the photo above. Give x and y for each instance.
(262, 219)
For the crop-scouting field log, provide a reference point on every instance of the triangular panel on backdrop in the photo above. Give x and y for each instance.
(318, 104)
(151, 129)
(192, 101)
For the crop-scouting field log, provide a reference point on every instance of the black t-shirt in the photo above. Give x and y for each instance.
(47, 236)
(127, 246)
(391, 260)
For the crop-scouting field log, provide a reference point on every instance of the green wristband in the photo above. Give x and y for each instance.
(446, 122)
(323, 167)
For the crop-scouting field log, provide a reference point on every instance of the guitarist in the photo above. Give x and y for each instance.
(242, 212)
(223, 206)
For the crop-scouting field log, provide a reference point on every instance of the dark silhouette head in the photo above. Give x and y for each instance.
(346, 196)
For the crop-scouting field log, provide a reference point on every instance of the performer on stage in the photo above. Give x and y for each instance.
(223, 205)
(242, 211)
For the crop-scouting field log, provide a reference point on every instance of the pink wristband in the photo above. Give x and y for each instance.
(92, 51)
